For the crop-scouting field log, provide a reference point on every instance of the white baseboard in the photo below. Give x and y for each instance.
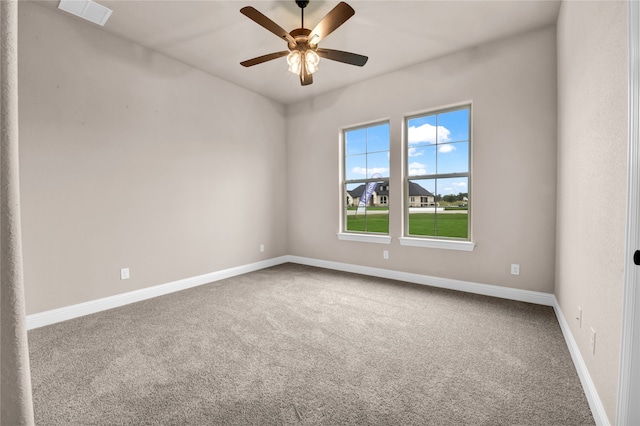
(539, 298)
(597, 409)
(74, 311)
(62, 314)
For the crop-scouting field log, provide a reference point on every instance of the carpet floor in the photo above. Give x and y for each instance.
(295, 344)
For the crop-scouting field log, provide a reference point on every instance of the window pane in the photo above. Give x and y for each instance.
(422, 160)
(420, 189)
(447, 216)
(454, 187)
(456, 124)
(453, 221)
(355, 141)
(353, 194)
(370, 215)
(422, 215)
(422, 130)
(356, 167)
(453, 157)
(378, 138)
(378, 163)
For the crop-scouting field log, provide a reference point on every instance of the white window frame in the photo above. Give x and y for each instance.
(344, 234)
(426, 241)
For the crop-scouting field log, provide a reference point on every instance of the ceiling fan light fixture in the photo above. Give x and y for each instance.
(311, 59)
(293, 59)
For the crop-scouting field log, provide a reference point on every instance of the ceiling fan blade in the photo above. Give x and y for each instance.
(305, 77)
(267, 23)
(263, 58)
(331, 21)
(340, 56)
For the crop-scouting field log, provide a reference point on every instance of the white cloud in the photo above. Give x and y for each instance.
(413, 152)
(453, 188)
(417, 169)
(371, 171)
(427, 133)
(446, 148)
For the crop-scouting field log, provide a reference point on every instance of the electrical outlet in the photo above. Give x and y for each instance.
(515, 269)
(124, 273)
(592, 342)
(261, 248)
(579, 316)
(385, 254)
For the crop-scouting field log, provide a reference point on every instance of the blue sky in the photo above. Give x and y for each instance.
(436, 144)
(367, 152)
(440, 144)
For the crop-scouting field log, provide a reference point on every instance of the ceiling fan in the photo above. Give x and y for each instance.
(304, 54)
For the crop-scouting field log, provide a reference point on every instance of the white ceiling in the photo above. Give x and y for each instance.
(215, 37)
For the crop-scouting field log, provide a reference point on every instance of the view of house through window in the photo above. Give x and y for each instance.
(437, 161)
(366, 179)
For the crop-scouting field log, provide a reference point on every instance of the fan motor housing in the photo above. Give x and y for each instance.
(301, 35)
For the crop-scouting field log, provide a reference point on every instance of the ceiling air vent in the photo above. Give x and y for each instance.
(87, 9)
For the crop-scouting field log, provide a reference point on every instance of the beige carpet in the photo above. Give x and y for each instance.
(299, 345)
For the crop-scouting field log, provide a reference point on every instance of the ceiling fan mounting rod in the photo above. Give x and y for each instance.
(302, 4)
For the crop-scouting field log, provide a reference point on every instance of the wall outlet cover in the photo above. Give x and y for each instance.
(515, 269)
(579, 316)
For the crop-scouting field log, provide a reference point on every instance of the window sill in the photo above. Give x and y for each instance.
(438, 244)
(365, 238)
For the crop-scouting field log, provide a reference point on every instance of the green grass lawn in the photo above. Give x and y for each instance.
(441, 225)
(369, 223)
(428, 224)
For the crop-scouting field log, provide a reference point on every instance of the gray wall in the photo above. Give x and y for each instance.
(512, 84)
(592, 173)
(131, 159)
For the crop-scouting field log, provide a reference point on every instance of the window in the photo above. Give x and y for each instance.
(437, 174)
(366, 179)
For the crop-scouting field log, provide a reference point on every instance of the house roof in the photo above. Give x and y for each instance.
(417, 190)
(414, 190)
(357, 191)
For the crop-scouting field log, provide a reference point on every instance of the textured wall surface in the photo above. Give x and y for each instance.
(592, 176)
(512, 84)
(16, 405)
(131, 159)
